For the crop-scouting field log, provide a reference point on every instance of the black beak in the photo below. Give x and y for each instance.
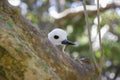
(66, 42)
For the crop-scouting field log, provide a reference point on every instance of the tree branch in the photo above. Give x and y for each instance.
(91, 10)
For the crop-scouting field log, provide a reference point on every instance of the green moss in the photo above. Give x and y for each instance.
(10, 68)
(10, 24)
(2, 74)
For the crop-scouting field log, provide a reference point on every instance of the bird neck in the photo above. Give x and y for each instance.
(61, 48)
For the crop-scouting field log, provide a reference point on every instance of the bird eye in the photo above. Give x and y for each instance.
(56, 36)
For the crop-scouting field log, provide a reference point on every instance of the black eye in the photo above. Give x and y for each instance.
(56, 36)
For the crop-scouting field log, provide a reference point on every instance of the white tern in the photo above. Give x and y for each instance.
(59, 37)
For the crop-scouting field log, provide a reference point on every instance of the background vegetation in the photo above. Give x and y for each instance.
(69, 15)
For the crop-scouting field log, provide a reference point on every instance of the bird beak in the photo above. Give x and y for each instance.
(66, 42)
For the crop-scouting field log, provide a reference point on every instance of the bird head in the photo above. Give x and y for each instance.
(59, 37)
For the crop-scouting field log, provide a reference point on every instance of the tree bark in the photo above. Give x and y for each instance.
(26, 53)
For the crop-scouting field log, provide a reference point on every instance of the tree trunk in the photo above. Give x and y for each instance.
(26, 53)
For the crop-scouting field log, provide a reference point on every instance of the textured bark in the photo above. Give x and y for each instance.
(26, 53)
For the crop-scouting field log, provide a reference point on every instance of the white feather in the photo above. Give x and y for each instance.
(59, 32)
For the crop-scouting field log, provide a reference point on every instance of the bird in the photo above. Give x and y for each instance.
(58, 37)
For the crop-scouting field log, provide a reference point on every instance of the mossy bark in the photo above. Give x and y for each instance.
(26, 53)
